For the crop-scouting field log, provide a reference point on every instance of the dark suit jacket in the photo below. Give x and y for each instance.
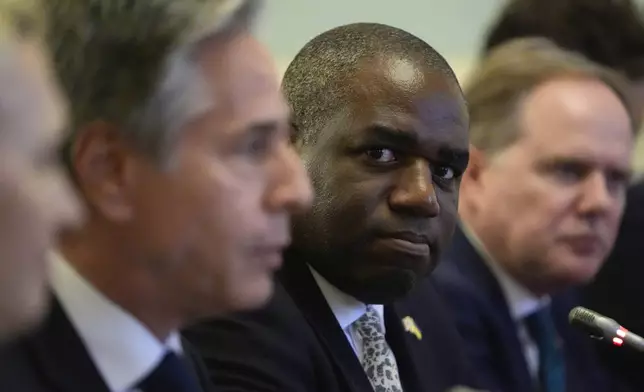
(295, 344)
(483, 319)
(54, 359)
(618, 292)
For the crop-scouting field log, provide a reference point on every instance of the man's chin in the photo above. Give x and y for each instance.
(387, 286)
(580, 276)
(23, 320)
(252, 295)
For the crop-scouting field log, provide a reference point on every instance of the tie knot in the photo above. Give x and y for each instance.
(541, 325)
(171, 374)
(369, 325)
(377, 359)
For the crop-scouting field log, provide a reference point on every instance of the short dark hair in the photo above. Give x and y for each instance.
(315, 81)
(609, 32)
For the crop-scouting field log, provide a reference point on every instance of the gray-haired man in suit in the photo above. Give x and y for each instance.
(180, 151)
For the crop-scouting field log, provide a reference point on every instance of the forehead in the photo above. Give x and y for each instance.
(243, 81)
(409, 95)
(31, 105)
(578, 117)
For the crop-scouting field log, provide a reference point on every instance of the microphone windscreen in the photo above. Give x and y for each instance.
(464, 389)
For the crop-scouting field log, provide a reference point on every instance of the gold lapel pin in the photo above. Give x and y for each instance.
(412, 328)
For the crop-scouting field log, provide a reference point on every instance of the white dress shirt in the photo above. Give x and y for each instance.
(521, 302)
(123, 350)
(347, 311)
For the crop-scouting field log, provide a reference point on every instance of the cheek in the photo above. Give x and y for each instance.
(613, 223)
(534, 204)
(228, 204)
(345, 206)
(24, 202)
(213, 240)
(25, 235)
(448, 202)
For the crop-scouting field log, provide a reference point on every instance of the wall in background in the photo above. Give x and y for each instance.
(454, 27)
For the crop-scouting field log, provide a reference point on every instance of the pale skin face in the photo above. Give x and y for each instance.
(548, 207)
(36, 198)
(228, 203)
(206, 235)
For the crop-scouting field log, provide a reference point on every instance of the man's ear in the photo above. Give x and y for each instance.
(102, 166)
(476, 166)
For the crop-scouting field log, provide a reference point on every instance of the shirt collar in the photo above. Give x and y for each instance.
(347, 309)
(123, 349)
(520, 300)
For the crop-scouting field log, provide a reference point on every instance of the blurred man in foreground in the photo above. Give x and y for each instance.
(552, 139)
(382, 126)
(180, 149)
(36, 199)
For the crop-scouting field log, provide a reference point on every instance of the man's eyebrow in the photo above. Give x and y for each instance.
(409, 138)
(458, 157)
(379, 133)
(263, 127)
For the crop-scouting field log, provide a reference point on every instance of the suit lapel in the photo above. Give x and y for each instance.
(470, 264)
(196, 365)
(300, 284)
(406, 348)
(61, 356)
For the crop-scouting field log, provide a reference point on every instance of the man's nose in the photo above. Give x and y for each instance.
(291, 189)
(596, 197)
(414, 191)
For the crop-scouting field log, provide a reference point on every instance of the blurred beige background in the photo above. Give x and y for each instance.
(454, 27)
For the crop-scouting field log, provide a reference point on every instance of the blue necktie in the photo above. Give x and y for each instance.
(552, 364)
(171, 375)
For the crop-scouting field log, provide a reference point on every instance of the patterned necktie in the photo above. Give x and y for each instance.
(552, 365)
(378, 360)
(171, 375)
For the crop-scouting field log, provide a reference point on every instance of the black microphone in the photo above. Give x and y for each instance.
(604, 328)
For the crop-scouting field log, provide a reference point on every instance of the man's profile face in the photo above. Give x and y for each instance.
(220, 217)
(36, 199)
(553, 200)
(386, 173)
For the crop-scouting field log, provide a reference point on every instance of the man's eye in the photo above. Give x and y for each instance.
(381, 155)
(444, 172)
(257, 147)
(569, 172)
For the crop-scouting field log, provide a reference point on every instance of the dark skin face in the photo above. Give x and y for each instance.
(386, 173)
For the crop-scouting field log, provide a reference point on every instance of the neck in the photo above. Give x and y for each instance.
(491, 243)
(123, 277)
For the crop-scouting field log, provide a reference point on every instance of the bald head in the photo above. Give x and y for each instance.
(333, 66)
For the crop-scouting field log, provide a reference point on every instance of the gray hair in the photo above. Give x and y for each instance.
(134, 64)
(511, 71)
